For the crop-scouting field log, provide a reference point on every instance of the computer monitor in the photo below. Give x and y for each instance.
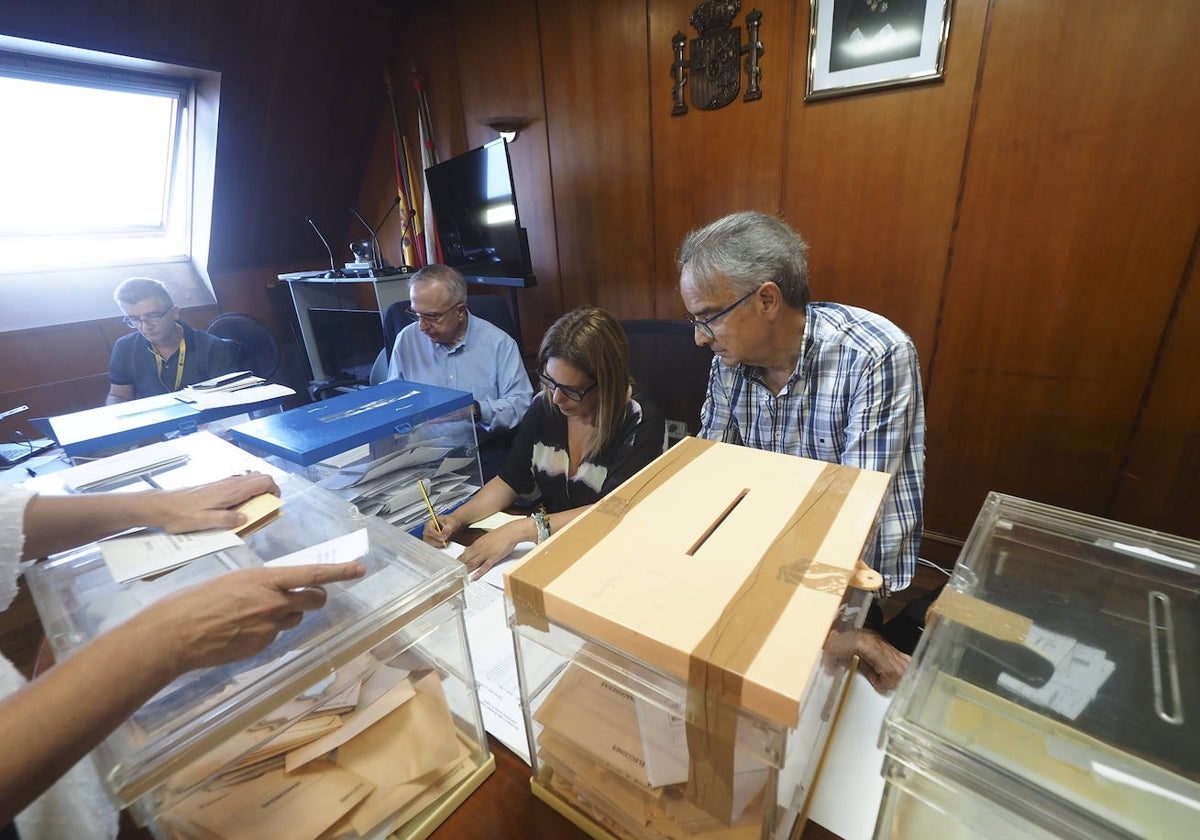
(348, 340)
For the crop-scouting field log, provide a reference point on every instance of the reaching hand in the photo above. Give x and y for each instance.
(451, 525)
(238, 614)
(882, 664)
(491, 548)
(207, 506)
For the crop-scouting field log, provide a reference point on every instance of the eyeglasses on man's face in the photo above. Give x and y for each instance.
(575, 394)
(432, 317)
(136, 321)
(705, 325)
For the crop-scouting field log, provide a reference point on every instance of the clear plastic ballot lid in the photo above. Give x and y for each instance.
(186, 725)
(1058, 681)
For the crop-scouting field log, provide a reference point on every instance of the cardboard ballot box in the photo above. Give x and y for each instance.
(379, 448)
(363, 721)
(669, 641)
(1056, 691)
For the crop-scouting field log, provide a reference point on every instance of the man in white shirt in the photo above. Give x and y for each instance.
(448, 348)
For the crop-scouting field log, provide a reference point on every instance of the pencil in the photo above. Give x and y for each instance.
(429, 505)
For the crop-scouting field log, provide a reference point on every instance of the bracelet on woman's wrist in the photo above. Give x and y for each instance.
(542, 524)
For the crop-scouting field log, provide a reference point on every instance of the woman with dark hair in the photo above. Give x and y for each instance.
(585, 434)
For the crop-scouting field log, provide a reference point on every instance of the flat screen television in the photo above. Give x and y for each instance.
(348, 340)
(475, 210)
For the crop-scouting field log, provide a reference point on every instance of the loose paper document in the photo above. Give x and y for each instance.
(122, 467)
(1079, 672)
(341, 549)
(244, 396)
(846, 796)
(492, 658)
(151, 552)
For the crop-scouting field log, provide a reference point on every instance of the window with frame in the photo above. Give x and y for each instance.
(96, 165)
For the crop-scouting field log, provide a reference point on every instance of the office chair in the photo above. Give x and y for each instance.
(259, 349)
(670, 369)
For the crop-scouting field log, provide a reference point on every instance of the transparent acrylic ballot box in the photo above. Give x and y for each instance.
(363, 721)
(1055, 692)
(378, 447)
(673, 676)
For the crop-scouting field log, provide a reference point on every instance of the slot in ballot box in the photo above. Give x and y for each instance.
(374, 445)
(363, 721)
(1055, 691)
(670, 642)
(134, 421)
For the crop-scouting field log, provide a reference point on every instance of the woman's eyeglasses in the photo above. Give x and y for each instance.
(575, 394)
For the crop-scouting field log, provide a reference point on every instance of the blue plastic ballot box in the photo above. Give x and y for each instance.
(312, 433)
(383, 448)
(93, 429)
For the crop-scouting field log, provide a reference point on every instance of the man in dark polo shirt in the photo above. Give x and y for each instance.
(164, 354)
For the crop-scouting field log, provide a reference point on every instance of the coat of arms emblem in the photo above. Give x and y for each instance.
(712, 71)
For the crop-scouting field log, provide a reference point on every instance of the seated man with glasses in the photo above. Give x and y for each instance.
(821, 380)
(163, 354)
(585, 433)
(449, 348)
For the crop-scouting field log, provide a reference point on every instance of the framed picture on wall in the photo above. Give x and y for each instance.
(857, 45)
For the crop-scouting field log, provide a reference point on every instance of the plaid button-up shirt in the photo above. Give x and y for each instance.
(853, 399)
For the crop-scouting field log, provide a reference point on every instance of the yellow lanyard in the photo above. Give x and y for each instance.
(158, 360)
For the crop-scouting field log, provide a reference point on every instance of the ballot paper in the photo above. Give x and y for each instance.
(386, 690)
(150, 552)
(341, 549)
(291, 806)
(423, 725)
(243, 396)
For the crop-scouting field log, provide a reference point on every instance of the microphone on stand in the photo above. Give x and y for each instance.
(376, 251)
(333, 269)
(375, 261)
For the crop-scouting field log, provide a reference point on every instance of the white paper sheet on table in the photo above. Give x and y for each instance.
(492, 656)
(848, 793)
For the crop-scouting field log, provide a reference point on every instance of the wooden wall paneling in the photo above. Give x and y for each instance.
(426, 44)
(34, 357)
(1081, 199)
(498, 53)
(597, 107)
(873, 179)
(1158, 485)
(709, 163)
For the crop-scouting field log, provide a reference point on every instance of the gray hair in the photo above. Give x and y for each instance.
(448, 277)
(748, 249)
(136, 289)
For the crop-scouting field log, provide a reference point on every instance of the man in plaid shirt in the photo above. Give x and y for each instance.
(820, 380)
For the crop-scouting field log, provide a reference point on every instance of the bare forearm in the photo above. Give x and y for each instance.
(493, 497)
(56, 720)
(559, 520)
(56, 523)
